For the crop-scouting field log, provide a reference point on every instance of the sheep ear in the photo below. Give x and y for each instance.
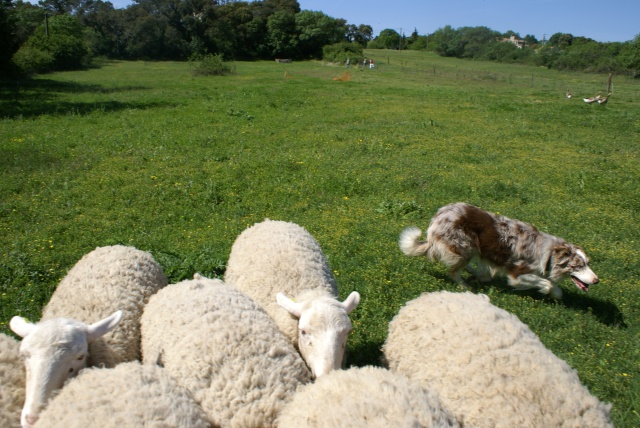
(103, 327)
(351, 302)
(21, 326)
(292, 307)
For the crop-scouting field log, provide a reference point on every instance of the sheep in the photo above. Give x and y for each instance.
(129, 395)
(114, 280)
(223, 348)
(11, 383)
(280, 257)
(489, 368)
(365, 397)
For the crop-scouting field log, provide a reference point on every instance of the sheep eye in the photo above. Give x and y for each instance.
(71, 370)
(303, 332)
(81, 357)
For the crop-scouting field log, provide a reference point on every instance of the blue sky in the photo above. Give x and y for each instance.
(610, 21)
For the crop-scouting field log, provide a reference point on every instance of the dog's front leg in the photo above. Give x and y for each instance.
(457, 277)
(529, 280)
(482, 273)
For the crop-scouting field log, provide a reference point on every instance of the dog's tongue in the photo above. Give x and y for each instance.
(581, 285)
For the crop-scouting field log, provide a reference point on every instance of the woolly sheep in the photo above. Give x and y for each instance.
(223, 348)
(489, 368)
(129, 395)
(366, 397)
(11, 382)
(114, 280)
(272, 259)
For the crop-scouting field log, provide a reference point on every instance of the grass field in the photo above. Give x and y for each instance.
(145, 154)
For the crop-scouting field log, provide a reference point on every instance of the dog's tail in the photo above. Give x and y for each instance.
(410, 242)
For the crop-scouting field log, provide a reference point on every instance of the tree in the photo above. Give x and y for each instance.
(630, 56)
(476, 40)
(448, 42)
(63, 39)
(281, 34)
(316, 30)
(148, 35)
(7, 40)
(291, 6)
(561, 40)
(416, 41)
(361, 34)
(387, 39)
(105, 29)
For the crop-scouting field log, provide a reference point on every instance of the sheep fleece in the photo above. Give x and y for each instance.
(106, 280)
(367, 397)
(277, 256)
(130, 395)
(12, 376)
(489, 368)
(218, 344)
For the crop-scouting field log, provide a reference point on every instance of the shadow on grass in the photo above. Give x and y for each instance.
(365, 354)
(34, 97)
(605, 312)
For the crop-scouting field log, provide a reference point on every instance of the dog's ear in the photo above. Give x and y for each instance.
(561, 252)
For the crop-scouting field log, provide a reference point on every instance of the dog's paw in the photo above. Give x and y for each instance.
(556, 292)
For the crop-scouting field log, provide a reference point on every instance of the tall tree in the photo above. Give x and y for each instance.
(7, 39)
(63, 39)
(316, 30)
(281, 28)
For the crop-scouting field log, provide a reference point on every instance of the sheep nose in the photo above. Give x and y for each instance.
(31, 419)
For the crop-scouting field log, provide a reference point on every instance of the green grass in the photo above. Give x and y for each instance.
(146, 154)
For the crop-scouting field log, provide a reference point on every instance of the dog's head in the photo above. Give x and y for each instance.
(571, 260)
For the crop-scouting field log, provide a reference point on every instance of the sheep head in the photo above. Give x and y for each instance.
(323, 328)
(53, 351)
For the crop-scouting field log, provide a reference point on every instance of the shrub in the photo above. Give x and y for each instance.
(64, 42)
(32, 61)
(340, 52)
(213, 65)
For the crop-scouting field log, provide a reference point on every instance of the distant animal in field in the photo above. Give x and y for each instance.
(460, 235)
(568, 94)
(597, 99)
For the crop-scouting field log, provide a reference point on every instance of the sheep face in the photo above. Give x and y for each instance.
(323, 328)
(53, 351)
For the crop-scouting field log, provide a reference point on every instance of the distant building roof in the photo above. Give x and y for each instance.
(513, 39)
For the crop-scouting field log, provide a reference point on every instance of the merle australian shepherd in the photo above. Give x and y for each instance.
(460, 235)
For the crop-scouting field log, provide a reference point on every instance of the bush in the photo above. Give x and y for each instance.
(213, 65)
(64, 42)
(32, 61)
(340, 52)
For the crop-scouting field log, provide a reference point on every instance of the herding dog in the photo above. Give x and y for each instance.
(461, 233)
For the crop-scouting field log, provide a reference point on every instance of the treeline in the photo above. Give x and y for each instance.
(64, 34)
(60, 34)
(562, 51)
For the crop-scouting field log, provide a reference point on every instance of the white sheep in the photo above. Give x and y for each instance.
(223, 348)
(272, 259)
(366, 397)
(489, 368)
(114, 280)
(129, 395)
(11, 382)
